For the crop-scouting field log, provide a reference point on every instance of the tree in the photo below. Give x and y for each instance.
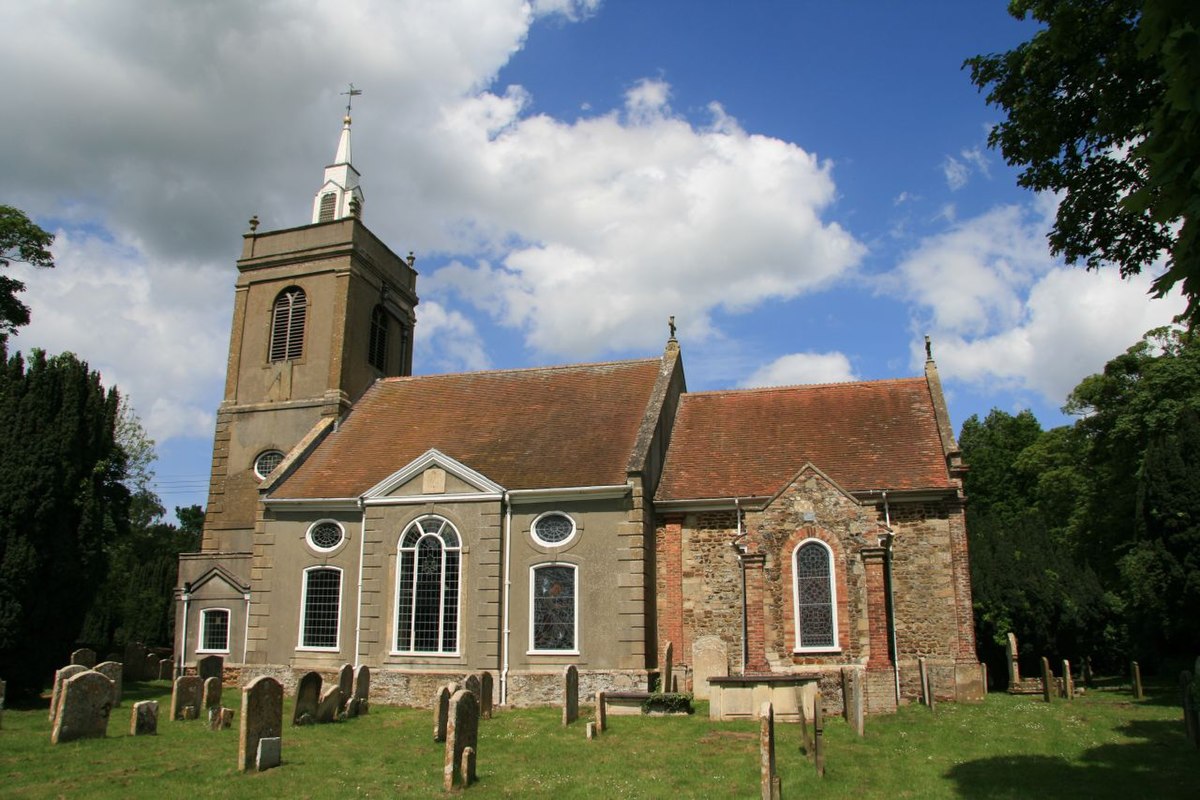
(20, 240)
(1101, 107)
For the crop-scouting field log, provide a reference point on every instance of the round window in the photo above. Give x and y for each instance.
(266, 463)
(325, 535)
(554, 528)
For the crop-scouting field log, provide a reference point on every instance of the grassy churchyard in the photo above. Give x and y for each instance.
(1104, 744)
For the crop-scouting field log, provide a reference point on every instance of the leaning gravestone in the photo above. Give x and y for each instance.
(262, 717)
(269, 754)
(1047, 681)
(570, 694)
(84, 657)
(471, 684)
(462, 731)
(1136, 677)
(211, 667)
(768, 780)
(186, 697)
(1068, 682)
(83, 708)
(668, 681)
(346, 681)
(143, 721)
(710, 659)
(165, 670)
(114, 672)
(308, 697)
(150, 668)
(212, 693)
(441, 713)
(60, 678)
(1014, 671)
(330, 705)
(362, 689)
(485, 695)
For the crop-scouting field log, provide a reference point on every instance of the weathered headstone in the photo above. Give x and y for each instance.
(114, 672)
(983, 676)
(60, 678)
(362, 689)
(471, 684)
(467, 772)
(668, 680)
(819, 735)
(591, 731)
(262, 717)
(767, 776)
(330, 705)
(601, 712)
(852, 697)
(805, 733)
(83, 708)
(269, 754)
(166, 669)
(930, 691)
(1047, 681)
(485, 695)
(1136, 676)
(150, 668)
(346, 681)
(84, 657)
(570, 694)
(219, 718)
(143, 720)
(212, 693)
(211, 667)
(462, 732)
(1068, 682)
(135, 658)
(441, 712)
(923, 673)
(1014, 671)
(308, 697)
(710, 659)
(186, 694)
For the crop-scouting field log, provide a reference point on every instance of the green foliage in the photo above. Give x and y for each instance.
(1102, 107)
(20, 240)
(668, 703)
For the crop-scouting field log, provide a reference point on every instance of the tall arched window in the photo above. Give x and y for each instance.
(378, 342)
(328, 207)
(815, 596)
(287, 325)
(427, 587)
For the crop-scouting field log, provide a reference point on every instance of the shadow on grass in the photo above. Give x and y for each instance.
(1156, 766)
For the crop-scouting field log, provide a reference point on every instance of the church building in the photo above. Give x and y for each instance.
(521, 520)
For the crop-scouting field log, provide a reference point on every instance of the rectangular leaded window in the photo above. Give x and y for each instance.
(214, 630)
(553, 625)
(322, 606)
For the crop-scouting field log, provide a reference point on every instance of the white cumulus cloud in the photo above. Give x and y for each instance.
(801, 368)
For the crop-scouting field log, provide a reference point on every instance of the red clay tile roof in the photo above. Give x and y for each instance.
(531, 428)
(749, 443)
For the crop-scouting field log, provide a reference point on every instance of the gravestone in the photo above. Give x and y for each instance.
(114, 672)
(84, 657)
(150, 668)
(219, 718)
(601, 712)
(83, 708)
(308, 697)
(212, 693)
(269, 754)
(485, 695)
(1136, 676)
(362, 689)
(346, 682)
(668, 680)
(211, 667)
(591, 731)
(467, 772)
(3, 685)
(60, 678)
(471, 684)
(852, 697)
(1087, 671)
(805, 734)
(1014, 671)
(768, 779)
(186, 697)
(1191, 722)
(1047, 681)
(923, 672)
(166, 669)
(570, 694)
(818, 735)
(330, 705)
(710, 659)
(983, 676)
(462, 731)
(1068, 682)
(135, 658)
(262, 718)
(441, 712)
(143, 720)
(930, 691)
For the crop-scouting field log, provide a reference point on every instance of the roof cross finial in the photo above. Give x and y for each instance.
(350, 95)
(928, 348)
(671, 325)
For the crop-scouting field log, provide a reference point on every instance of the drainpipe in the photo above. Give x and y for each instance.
(246, 629)
(741, 551)
(506, 545)
(362, 548)
(187, 587)
(891, 601)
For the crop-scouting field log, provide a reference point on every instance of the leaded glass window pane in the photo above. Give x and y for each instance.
(216, 630)
(553, 528)
(326, 535)
(814, 596)
(554, 608)
(427, 590)
(322, 605)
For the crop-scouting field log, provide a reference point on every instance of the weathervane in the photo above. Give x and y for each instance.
(350, 95)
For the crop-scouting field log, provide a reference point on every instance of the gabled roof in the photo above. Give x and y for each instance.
(749, 443)
(548, 427)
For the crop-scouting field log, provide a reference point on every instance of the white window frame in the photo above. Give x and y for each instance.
(300, 645)
(325, 550)
(200, 648)
(532, 572)
(458, 615)
(555, 513)
(269, 450)
(833, 606)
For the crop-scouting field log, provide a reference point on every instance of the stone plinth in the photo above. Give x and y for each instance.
(741, 697)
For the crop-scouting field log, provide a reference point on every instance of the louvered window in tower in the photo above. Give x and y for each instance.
(328, 207)
(287, 325)
(377, 345)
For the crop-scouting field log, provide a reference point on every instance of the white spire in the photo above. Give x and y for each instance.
(340, 195)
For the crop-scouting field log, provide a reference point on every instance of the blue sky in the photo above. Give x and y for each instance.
(805, 186)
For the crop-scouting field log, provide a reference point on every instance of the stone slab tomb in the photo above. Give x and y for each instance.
(570, 682)
(114, 672)
(84, 708)
(462, 732)
(143, 720)
(308, 697)
(262, 718)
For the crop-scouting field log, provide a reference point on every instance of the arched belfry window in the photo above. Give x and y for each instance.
(427, 587)
(815, 596)
(287, 325)
(328, 207)
(378, 342)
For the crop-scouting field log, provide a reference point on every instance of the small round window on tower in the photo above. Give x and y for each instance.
(325, 535)
(266, 463)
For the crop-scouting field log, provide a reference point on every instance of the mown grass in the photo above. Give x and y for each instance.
(1102, 745)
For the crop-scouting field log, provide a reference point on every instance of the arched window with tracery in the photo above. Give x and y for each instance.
(814, 596)
(287, 325)
(378, 341)
(427, 587)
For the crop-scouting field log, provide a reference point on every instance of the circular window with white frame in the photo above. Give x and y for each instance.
(266, 462)
(325, 536)
(553, 529)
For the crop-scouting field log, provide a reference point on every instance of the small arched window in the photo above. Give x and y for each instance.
(815, 596)
(377, 345)
(427, 587)
(328, 207)
(287, 325)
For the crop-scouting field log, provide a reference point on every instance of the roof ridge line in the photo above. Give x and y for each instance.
(762, 389)
(551, 368)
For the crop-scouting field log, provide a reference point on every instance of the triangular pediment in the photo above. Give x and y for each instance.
(458, 480)
(221, 575)
(810, 468)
